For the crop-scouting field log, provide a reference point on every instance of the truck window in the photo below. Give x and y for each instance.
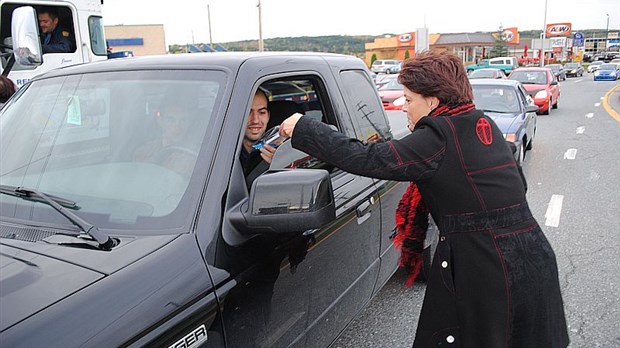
(364, 106)
(97, 36)
(65, 23)
(301, 94)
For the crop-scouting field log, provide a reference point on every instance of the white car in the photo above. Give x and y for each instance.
(594, 65)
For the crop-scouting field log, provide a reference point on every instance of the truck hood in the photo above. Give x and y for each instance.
(46, 273)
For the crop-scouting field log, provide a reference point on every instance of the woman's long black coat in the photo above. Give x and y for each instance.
(494, 280)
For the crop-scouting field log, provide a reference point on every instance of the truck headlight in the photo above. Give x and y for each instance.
(541, 94)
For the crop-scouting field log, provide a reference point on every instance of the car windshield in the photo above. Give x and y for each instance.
(572, 65)
(608, 67)
(482, 74)
(554, 67)
(530, 77)
(597, 62)
(122, 145)
(493, 98)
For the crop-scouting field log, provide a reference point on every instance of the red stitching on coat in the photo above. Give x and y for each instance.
(507, 165)
(528, 229)
(426, 160)
(462, 160)
(398, 158)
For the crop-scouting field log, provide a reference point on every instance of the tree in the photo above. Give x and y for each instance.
(500, 49)
(407, 54)
(373, 58)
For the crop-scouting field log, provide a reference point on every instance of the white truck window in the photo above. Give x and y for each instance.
(97, 36)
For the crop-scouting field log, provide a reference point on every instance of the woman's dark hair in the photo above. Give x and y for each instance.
(437, 74)
(7, 88)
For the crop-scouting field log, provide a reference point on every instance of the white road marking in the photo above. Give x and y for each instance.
(597, 105)
(554, 210)
(570, 154)
(581, 129)
(590, 115)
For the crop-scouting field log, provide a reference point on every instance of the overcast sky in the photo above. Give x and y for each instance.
(234, 20)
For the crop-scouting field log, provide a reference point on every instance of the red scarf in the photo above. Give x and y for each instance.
(412, 215)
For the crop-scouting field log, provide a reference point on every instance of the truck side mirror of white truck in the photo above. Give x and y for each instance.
(25, 33)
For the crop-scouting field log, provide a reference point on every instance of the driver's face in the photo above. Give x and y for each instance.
(259, 117)
(174, 124)
(46, 22)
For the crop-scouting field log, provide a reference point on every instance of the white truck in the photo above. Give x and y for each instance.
(81, 18)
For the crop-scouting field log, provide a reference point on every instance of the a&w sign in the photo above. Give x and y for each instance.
(559, 29)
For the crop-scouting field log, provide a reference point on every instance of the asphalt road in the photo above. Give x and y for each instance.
(573, 173)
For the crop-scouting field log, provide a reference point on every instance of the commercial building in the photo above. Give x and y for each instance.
(142, 40)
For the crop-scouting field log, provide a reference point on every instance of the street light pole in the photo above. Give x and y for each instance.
(261, 45)
(209, 20)
(544, 36)
(607, 32)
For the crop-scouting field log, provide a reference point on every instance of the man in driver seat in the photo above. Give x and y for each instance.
(255, 162)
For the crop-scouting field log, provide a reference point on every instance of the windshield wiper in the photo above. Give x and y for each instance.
(104, 241)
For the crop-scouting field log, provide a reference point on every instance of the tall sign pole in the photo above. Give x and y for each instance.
(209, 20)
(544, 36)
(261, 45)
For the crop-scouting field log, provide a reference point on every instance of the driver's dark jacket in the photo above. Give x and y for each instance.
(494, 280)
(60, 41)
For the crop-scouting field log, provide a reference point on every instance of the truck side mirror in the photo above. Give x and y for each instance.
(286, 201)
(25, 33)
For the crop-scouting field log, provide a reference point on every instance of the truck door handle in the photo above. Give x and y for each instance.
(363, 211)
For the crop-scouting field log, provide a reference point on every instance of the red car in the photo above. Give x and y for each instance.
(389, 92)
(541, 85)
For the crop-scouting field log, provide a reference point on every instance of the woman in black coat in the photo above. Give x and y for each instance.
(494, 280)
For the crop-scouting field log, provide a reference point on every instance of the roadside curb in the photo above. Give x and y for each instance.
(608, 106)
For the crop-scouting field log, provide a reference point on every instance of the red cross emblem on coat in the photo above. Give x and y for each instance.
(484, 131)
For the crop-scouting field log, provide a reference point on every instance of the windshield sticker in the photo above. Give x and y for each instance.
(74, 113)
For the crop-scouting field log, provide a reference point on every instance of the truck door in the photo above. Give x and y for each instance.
(301, 289)
(68, 27)
(371, 124)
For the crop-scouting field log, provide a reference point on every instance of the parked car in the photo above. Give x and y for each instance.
(594, 65)
(607, 72)
(508, 64)
(394, 69)
(102, 248)
(487, 73)
(615, 61)
(540, 84)
(573, 69)
(382, 65)
(389, 92)
(558, 71)
(512, 109)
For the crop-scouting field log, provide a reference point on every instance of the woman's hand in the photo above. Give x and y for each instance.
(287, 127)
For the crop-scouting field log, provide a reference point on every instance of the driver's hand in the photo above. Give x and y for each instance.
(266, 152)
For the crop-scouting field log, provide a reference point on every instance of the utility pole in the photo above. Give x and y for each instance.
(544, 37)
(607, 32)
(209, 19)
(261, 45)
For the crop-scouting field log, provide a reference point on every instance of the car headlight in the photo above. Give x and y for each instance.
(510, 137)
(573, 71)
(613, 73)
(596, 73)
(541, 94)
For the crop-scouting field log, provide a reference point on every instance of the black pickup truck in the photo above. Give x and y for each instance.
(113, 235)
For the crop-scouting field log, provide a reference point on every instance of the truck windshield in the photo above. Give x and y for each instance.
(122, 145)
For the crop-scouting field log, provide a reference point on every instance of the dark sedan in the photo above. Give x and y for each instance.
(512, 109)
(573, 69)
(558, 71)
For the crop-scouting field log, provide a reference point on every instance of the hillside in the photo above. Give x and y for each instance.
(352, 45)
